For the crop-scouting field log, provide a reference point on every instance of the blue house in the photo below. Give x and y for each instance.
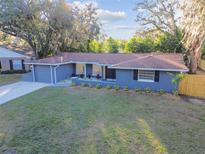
(153, 71)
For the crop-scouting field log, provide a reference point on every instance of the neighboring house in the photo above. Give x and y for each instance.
(154, 71)
(11, 61)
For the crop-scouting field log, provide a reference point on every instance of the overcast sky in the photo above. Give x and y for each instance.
(117, 16)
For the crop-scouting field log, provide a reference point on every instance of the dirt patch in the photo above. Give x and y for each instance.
(200, 72)
(197, 101)
(10, 151)
(193, 100)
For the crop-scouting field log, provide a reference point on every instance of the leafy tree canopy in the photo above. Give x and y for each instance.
(49, 26)
(111, 45)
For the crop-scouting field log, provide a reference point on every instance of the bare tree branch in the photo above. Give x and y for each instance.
(157, 14)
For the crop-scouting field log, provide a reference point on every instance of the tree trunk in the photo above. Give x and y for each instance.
(33, 46)
(193, 64)
(88, 45)
(195, 55)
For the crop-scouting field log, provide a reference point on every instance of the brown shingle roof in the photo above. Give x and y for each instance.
(124, 61)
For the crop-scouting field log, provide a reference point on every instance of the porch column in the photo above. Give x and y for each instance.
(51, 74)
(55, 76)
(33, 73)
(85, 72)
(103, 72)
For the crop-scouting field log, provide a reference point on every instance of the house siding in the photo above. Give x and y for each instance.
(5, 64)
(125, 78)
(64, 71)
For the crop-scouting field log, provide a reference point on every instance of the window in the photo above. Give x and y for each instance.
(147, 76)
(17, 64)
(11, 64)
(79, 69)
(110, 73)
(135, 77)
(96, 70)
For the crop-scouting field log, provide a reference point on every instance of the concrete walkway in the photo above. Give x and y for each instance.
(18, 89)
(64, 83)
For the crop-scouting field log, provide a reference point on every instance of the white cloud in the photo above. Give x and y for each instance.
(110, 20)
(106, 16)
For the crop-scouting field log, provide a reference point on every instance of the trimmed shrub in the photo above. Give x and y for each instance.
(137, 90)
(98, 86)
(90, 85)
(175, 92)
(126, 88)
(108, 87)
(147, 90)
(161, 91)
(83, 85)
(117, 88)
(73, 84)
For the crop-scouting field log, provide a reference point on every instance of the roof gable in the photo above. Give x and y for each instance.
(151, 62)
(6, 53)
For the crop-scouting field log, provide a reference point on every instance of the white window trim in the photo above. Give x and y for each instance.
(110, 79)
(145, 80)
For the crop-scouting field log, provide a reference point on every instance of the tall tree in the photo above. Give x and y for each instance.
(111, 45)
(39, 22)
(49, 26)
(168, 43)
(86, 29)
(96, 46)
(158, 15)
(193, 24)
(140, 45)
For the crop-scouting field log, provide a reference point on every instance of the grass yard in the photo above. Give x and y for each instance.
(84, 120)
(9, 78)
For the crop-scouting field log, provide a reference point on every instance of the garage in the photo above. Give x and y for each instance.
(42, 73)
(52, 73)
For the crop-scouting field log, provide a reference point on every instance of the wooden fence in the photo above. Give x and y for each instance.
(193, 85)
(202, 64)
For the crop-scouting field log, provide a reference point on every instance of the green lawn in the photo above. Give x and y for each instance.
(9, 78)
(84, 120)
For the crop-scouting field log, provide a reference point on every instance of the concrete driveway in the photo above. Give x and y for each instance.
(18, 89)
